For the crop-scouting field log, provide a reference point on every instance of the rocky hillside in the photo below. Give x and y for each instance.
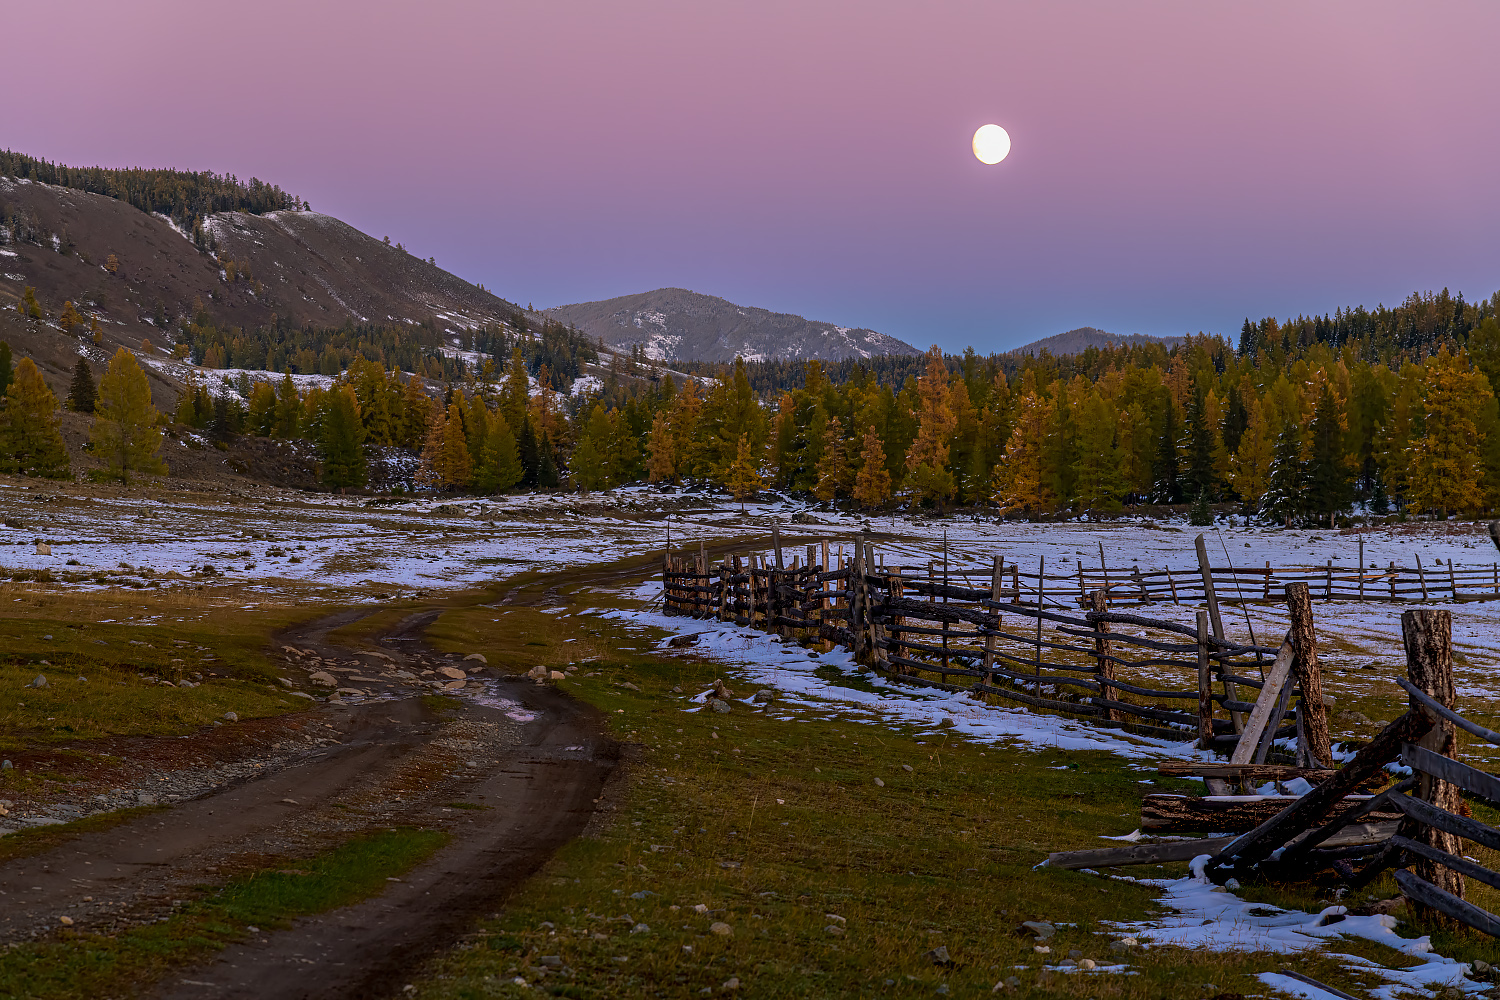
(674, 324)
(1079, 340)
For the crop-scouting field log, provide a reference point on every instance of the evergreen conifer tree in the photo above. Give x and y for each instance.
(82, 391)
(342, 444)
(1097, 478)
(288, 408)
(1250, 467)
(1447, 469)
(1200, 514)
(624, 451)
(454, 463)
(526, 446)
(1282, 501)
(1165, 486)
(125, 435)
(927, 474)
(587, 466)
(546, 464)
(1198, 449)
(6, 371)
(502, 458)
(416, 408)
(1327, 482)
(30, 442)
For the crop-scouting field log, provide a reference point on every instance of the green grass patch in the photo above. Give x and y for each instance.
(82, 964)
(773, 820)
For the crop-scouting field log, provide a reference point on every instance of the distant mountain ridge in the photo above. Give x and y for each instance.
(1079, 340)
(675, 324)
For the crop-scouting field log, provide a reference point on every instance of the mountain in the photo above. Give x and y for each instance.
(298, 265)
(675, 324)
(1079, 340)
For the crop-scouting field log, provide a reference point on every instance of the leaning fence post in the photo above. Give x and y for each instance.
(1428, 636)
(1205, 688)
(1421, 577)
(1212, 597)
(1101, 651)
(1309, 677)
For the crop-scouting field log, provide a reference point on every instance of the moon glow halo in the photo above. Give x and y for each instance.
(991, 144)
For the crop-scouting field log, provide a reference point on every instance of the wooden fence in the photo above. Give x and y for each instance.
(1163, 679)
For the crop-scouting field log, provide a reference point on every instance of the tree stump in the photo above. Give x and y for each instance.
(1309, 676)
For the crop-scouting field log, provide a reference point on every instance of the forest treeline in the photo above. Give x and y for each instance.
(185, 196)
(1298, 421)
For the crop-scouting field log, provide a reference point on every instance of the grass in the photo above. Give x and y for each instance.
(774, 823)
(79, 964)
(124, 645)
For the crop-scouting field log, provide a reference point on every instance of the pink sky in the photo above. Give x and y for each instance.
(1176, 166)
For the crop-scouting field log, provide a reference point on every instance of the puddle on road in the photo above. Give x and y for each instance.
(490, 697)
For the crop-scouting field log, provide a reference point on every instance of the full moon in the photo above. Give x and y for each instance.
(991, 144)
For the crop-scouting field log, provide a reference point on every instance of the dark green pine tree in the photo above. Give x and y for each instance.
(1198, 447)
(1165, 486)
(546, 465)
(6, 372)
(342, 442)
(82, 392)
(1282, 501)
(527, 448)
(1329, 487)
(1236, 419)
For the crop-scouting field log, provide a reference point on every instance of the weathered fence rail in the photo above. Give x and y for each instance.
(1110, 668)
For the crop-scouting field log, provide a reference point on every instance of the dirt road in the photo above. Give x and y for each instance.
(533, 761)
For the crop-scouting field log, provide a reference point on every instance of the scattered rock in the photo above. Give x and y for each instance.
(303, 694)
(6, 765)
(626, 685)
(718, 705)
(732, 983)
(640, 929)
(677, 642)
(907, 768)
(40, 682)
(1040, 928)
(879, 783)
(323, 678)
(65, 921)
(538, 673)
(700, 908)
(43, 549)
(764, 696)
(835, 930)
(551, 961)
(721, 690)
(720, 928)
(477, 656)
(938, 955)
(452, 673)
(1086, 964)
(835, 918)
(557, 675)
(449, 686)
(231, 717)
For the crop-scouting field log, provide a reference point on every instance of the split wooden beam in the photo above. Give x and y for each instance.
(1163, 812)
(1186, 850)
(1253, 847)
(1265, 704)
(1253, 773)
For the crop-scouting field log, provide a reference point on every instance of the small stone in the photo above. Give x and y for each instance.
(1232, 884)
(551, 961)
(627, 685)
(6, 765)
(942, 990)
(1086, 964)
(700, 908)
(907, 768)
(640, 929)
(1075, 954)
(557, 675)
(1119, 947)
(835, 930)
(879, 783)
(720, 928)
(732, 983)
(764, 695)
(66, 921)
(231, 717)
(40, 682)
(323, 678)
(477, 656)
(1040, 928)
(682, 640)
(1042, 949)
(719, 705)
(938, 955)
(835, 918)
(452, 673)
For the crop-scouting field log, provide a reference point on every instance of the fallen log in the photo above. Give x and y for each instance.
(1186, 850)
(1162, 812)
(1254, 773)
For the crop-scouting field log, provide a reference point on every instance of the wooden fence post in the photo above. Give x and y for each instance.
(1104, 572)
(1140, 582)
(1107, 690)
(1361, 567)
(1173, 584)
(1452, 582)
(1421, 578)
(996, 576)
(1205, 686)
(1392, 572)
(1428, 635)
(1212, 598)
(1309, 676)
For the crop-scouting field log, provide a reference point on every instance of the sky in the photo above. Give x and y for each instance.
(1176, 166)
